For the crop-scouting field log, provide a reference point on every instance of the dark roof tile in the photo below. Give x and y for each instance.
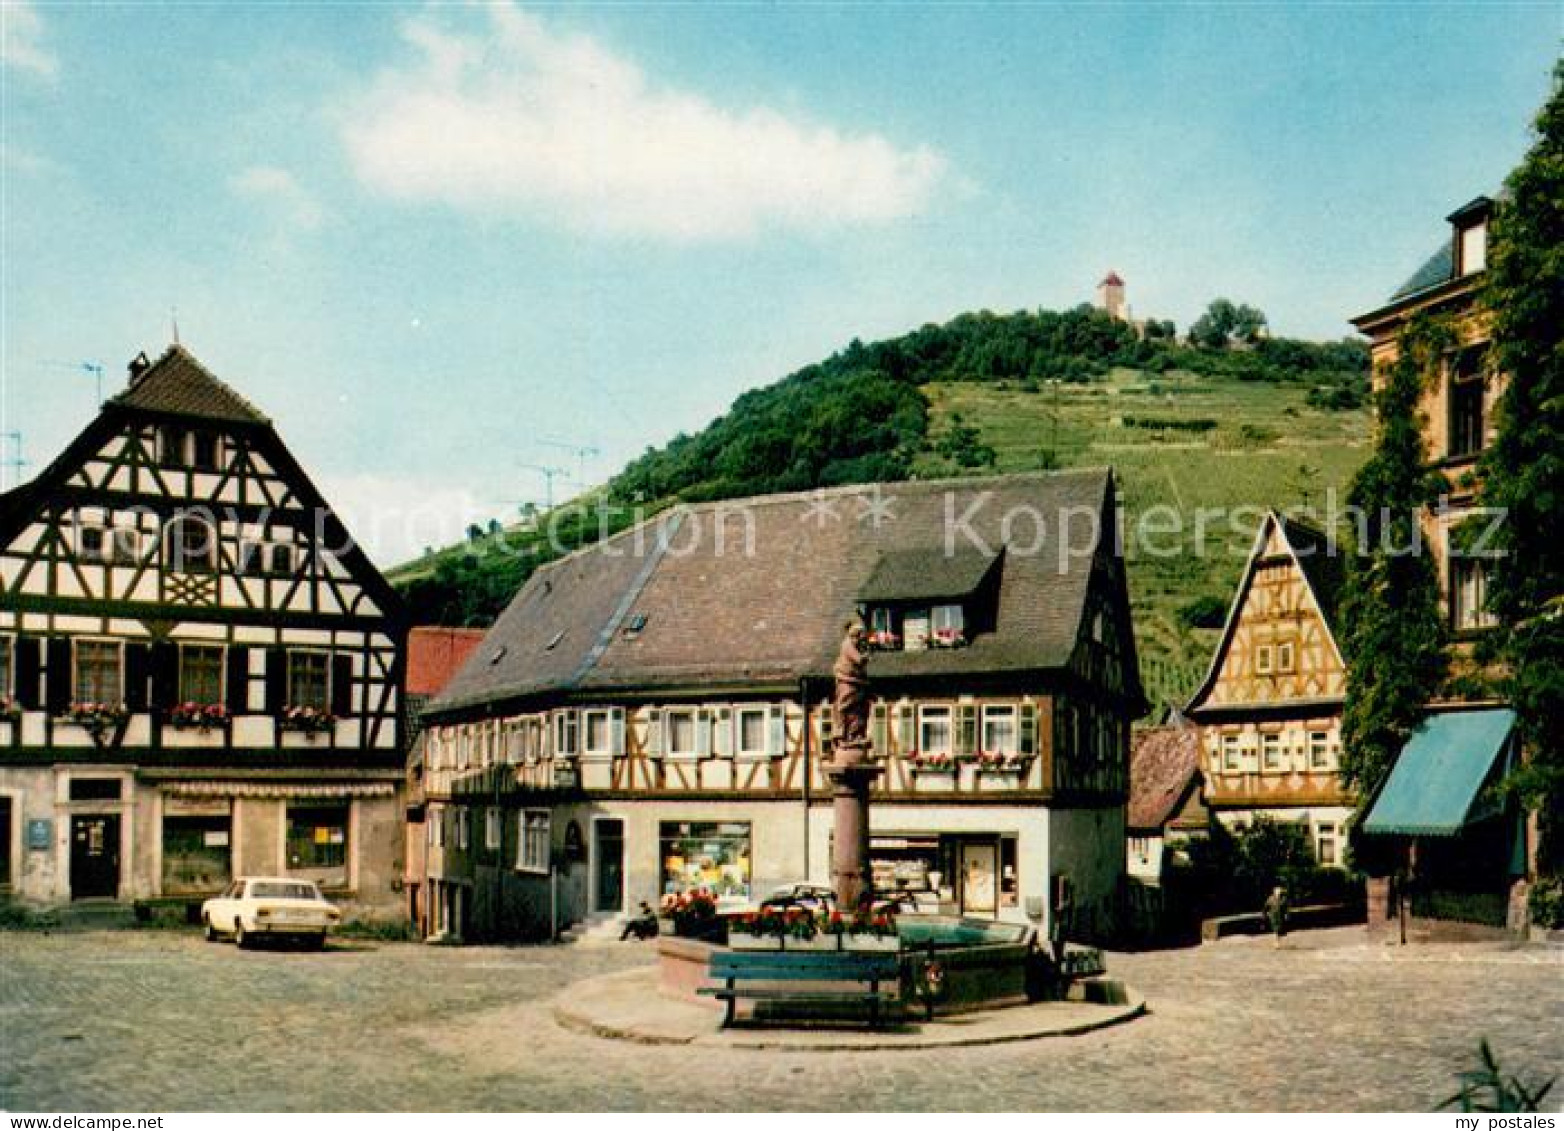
(1163, 763)
(178, 383)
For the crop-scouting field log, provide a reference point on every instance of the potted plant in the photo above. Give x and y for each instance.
(694, 914)
(947, 638)
(884, 641)
(198, 716)
(933, 771)
(871, 930)
(1000, 769)
(756, 930)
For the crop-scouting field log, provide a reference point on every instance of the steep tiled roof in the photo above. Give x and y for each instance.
(178, 383)
(435, 654)
(1323, 562)
(1163, 763)
(756, 591)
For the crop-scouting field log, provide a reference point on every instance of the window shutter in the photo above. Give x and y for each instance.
(654, 731)
(776, 733)
(879, 729)
(29, 686)
(238, 679)
(341, 685)
(138, 664)
(276, 680)
(616, 731)
(1028, 744)
(906, 732)
(165, 674)
(58, 676)
(966, 736)
(703, 723)
(722, 737)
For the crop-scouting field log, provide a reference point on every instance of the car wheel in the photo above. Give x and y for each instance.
(241, 940)
(211, 931)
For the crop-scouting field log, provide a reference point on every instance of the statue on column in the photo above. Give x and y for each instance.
(850, 705)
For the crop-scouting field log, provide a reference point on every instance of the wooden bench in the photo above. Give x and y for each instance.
(744, 972)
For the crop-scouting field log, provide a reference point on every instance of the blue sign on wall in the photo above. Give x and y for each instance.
(40, 834)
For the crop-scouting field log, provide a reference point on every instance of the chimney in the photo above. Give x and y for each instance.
(138, 367)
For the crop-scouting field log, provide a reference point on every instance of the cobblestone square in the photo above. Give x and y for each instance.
(160, 1020)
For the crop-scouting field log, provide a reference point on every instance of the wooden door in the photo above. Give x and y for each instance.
(94, 856)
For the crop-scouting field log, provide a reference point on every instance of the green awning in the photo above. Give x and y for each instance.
(1433, 788)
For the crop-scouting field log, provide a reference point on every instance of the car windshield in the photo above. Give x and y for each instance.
(283, 891)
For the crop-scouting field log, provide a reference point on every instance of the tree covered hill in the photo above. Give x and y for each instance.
(1237, 420)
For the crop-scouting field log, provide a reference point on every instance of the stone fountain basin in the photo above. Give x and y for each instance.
(984, 961)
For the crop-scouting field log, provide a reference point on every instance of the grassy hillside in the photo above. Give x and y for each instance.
(1268, 447)
(1213, 430)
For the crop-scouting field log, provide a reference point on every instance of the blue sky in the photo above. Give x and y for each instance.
(426, 239)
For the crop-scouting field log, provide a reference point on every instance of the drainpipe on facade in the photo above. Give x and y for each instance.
(803, 696)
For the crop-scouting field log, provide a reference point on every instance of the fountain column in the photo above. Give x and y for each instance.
(851, 775)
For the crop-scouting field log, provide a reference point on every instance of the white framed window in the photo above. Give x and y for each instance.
(1469, 595)
(190, 544)
(1474, 248)
(205, 451)
(1271, 749)
(1325, 842)
(532, 852)
(201, 673)
(1263, 659)
(750, 730)
(566, 726)
(680, 739)
(309, 679)
(999, 730)
(92, 542)
(125, 545)
(1319, 750)
(463, 826)
(1284, 657)
(171, 446)
(1232, 752)
(100, 671)
(597, 737)
(492, 829)
(948, 618)
(934, 730)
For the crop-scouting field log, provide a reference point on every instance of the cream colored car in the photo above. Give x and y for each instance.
(270, 906)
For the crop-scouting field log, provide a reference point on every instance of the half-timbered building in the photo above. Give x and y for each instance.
(652, 714)
(201, 671)
(1270, 706)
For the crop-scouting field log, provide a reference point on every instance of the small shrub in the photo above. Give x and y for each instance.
(1547, 902)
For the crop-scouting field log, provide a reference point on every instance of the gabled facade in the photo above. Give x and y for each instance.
(202, 673)
(652, 714)
(1167, 806)
(1270, 707)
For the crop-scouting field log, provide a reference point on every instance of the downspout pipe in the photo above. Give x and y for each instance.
(803, 696)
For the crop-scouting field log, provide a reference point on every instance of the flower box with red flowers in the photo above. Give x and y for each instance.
(947, 638)
(198, 716)
(884, 641)
(310, 720)
(694, 913)
(931, 762)
(1001, 762)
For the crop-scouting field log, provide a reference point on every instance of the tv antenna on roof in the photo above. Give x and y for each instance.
(548, 474)
(582, 453)
(93, 367)
(14, 461)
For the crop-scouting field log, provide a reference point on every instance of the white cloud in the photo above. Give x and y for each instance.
(523, 120)
(21, 29)
(277, 189)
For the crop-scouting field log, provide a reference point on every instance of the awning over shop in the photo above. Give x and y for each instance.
(1433, 788)
(277, 790)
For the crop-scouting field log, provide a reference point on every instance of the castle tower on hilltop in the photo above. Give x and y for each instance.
(1110, 297)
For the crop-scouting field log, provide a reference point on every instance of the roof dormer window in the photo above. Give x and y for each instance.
(1470, 222)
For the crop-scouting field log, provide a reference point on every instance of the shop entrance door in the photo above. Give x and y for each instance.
(94, 856)
(608, 864)
(979, 878)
